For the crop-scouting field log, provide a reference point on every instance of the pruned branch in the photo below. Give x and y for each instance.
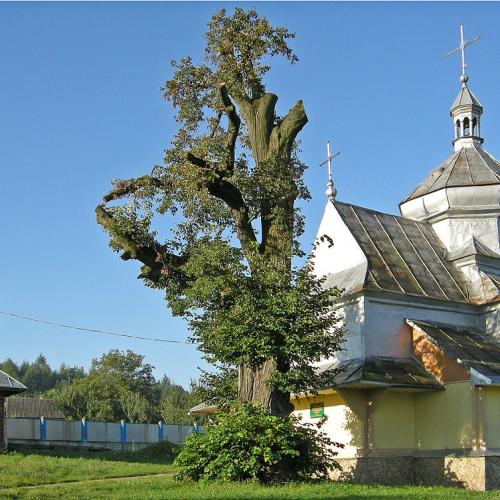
(285, 133)
(158, 262)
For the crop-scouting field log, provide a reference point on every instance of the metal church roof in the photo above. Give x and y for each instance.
(404, 256)
(465, 98)
(382, 371)
(472, 348)
(9, 385)
(472, 166)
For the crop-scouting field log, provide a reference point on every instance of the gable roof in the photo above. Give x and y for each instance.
(472, 166)
(474, 349)
(404, 256)
(9, 385)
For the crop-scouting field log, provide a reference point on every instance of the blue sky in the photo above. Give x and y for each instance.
(81, 105)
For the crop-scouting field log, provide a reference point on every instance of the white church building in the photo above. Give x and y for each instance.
(418, 397)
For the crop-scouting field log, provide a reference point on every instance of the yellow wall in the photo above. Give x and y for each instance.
(393, 421)
(404, 421)
(444, 419)
(491, 412)
(342, 426)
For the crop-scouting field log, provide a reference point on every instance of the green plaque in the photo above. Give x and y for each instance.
(317, 410)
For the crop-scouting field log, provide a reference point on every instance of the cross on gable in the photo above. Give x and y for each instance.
(330, 191)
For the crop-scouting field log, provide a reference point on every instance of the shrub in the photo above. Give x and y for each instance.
(247, 443)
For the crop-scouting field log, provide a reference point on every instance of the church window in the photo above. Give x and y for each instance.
(466, 126)
(474, 127)
(459, 129)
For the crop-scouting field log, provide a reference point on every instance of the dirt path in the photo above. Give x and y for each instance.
(86, 481)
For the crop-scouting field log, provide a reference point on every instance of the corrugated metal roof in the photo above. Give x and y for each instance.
(471, 166)
(465, 98)
(404, 256)
(32, 407)
(384, 371)
(472, 348)
(9, 385)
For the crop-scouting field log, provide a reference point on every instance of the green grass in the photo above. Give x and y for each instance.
(29, 467)
(36, 474)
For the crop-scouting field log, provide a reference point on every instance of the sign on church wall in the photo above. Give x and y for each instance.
(317, 410)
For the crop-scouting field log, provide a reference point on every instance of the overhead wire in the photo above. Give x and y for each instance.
(93, 330)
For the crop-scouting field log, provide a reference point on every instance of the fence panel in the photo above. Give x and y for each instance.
(102, 434)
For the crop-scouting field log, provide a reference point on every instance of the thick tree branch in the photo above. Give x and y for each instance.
(233, 126)
(284, 134)
(158, 262)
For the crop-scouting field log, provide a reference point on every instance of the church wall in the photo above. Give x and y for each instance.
(386, 332)
(352, 316)
(444, 419)
(340, 251)
(489, 320)
(491, 411)
(342, 425)
(392, 423)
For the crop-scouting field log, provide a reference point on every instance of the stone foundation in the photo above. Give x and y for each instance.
(2, 423)
(471, 472)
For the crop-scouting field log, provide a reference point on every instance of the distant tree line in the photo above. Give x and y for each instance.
(119, 385)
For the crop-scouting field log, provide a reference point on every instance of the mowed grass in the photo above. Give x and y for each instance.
(26, 467)
(92, 475)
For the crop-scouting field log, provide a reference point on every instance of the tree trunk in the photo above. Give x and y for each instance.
(270, 141)
(253, 387)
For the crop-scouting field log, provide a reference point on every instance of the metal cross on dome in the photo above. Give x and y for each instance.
(330, 191)
(461, 48)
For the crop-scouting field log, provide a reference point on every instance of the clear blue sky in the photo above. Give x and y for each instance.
(81, 105)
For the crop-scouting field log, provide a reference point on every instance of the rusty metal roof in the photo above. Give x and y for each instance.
(9, 385)
(474, 349)
(404, 256)
(382, 371)
(472, 166)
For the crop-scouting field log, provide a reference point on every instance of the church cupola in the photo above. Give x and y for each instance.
(466, 113)
(461, 197)
(466, 110)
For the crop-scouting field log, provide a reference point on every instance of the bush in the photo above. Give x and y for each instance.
(249, 444)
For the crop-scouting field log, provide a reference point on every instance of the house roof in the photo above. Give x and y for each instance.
(382, 371)
(471, 166)
(472, 348)
(9, 385)
(465, 98)
(404, 256)
(32, 407)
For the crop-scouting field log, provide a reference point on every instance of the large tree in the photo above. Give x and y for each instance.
(232, 179)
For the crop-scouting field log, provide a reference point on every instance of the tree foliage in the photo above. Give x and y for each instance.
(248, 444)
(39, 377)
(231, 179)
(119, 386)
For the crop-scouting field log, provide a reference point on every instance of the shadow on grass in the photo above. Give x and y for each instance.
(158, 453)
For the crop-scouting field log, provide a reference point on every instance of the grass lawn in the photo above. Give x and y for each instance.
(93, 475)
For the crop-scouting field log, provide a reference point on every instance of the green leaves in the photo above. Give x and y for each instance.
(248, 444)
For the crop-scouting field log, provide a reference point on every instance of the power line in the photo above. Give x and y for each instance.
(93, 330)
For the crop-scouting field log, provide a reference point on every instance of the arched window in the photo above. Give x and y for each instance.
(466, 126)
(474, 127)
(459, 129)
